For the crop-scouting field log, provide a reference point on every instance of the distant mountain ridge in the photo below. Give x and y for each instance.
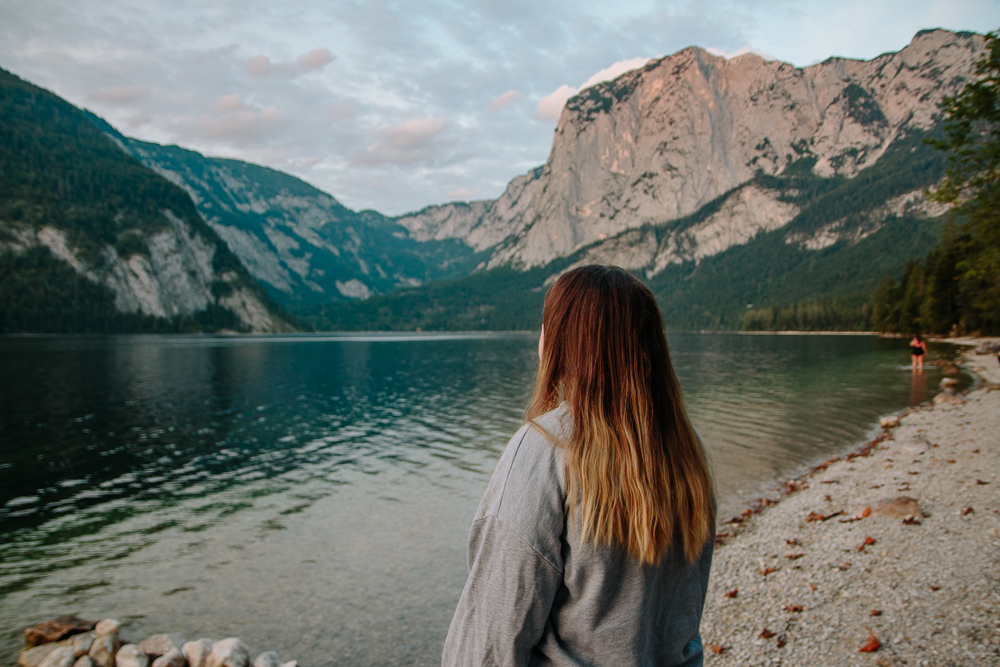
(297, 241)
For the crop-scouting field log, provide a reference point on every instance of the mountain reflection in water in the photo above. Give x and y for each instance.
(313, 494)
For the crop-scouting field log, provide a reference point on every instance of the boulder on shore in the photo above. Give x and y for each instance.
(130, 656)
(229, 652)
(172, 658)
(197, 652)
(82, 643)
(158, 645)
(33, 657)
(56, 629)
(267, 659)
(61, 657)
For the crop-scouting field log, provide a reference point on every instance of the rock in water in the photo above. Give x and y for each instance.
(230, 652)
(84, 661)
(158, 645)
(897, 508)
(56, 629)
(197, 652)
(130, 656)
(172, 658)
(61, 657)
(267, 659)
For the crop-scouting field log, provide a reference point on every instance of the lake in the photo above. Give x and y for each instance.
(313, 494)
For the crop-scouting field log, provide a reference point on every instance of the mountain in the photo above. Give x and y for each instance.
(298, 242)
(723, 183)
(91, 240)
(661, 142)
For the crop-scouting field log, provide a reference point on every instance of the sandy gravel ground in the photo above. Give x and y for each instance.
(804, 592)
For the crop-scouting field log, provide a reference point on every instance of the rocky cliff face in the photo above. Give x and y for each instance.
(659, 143)
(173, 274)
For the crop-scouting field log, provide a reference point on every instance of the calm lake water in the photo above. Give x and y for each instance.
(312, 495)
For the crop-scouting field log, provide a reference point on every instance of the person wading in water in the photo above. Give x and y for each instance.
(918, 348)
(593, 541)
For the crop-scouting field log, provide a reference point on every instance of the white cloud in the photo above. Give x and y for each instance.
(462, 194)
(230, 103)
(743, 50)
(341, 111)
(315, 59)
(402, 143)
(506, 99)
(237, 123)
(120, 95)
(261, 66)
(550, 106)
(614, 70)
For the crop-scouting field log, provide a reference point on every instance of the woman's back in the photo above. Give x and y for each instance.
(538, 595)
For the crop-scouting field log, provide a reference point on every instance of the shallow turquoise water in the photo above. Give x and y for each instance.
(312, 494)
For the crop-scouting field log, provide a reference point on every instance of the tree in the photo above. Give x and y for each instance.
(964, 270)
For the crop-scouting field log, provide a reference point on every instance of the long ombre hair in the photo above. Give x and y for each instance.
(634, 464)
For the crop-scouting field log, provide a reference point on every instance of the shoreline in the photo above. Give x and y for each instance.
(801, 579)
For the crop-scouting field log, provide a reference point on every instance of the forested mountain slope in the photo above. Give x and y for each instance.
(91, 240)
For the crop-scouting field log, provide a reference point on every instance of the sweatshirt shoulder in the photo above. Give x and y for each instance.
(528, 479)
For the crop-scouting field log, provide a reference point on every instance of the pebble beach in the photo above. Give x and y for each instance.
(887, 556)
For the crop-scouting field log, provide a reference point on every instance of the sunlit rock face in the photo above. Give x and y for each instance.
(659, 143)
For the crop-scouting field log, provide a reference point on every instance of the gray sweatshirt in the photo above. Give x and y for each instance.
(536, 595)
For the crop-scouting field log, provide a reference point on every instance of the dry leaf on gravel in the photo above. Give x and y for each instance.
(733, 593)
(872, 644)
(793, 608)
(766, 634)
(716, 649)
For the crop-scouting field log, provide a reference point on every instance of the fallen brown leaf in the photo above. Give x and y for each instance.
(935, 588)
(872, 644)
(843, 567)
(876, 612)
(792, 542)
(733, 593)
(766, 634)
(975, 451)
(981, 482)
(813, 516)
(866, 512)
(911, 521)
(813, 586)
(793, 556)
(949, 460)
(781, 642)
(869, 540)
(766, 571)
(913, 472)
(716, 649)
(793, 608)
(968, 510)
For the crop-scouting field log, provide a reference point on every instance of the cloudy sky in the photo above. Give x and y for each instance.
(395, 105)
